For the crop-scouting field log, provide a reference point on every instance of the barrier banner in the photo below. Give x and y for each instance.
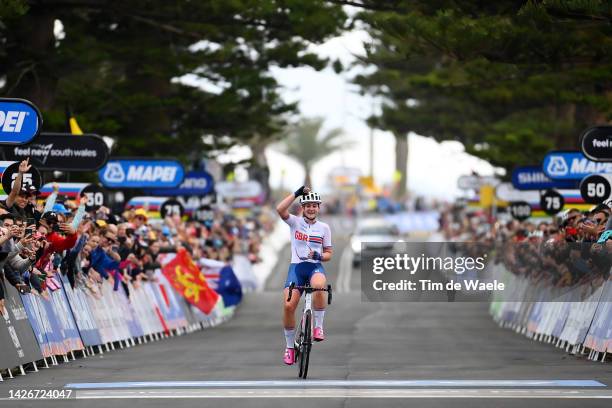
(118, 323)
(39, 323)
(19, 345)
(599, 337)
(83, 316)
(108, 314)
(68, 327)
(44, 309)
(186, 278)
(145, 310)
(129, 314)
(580, 315)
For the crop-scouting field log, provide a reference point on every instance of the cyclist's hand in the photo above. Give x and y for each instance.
(315, 255)
(299, 191)
(307, 190)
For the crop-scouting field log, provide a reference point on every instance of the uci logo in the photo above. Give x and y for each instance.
(12, 121)
(557, 166)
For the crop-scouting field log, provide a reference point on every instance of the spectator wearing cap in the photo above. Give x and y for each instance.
(18, 200)
(140, 220)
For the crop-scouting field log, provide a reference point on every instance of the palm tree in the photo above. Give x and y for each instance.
(305, 143)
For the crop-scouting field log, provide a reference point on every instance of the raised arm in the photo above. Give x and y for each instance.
(23, 167)
(283, 207)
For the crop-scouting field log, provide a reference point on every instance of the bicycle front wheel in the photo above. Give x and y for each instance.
(306, 344)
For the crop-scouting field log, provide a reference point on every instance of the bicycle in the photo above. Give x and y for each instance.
(303, 335)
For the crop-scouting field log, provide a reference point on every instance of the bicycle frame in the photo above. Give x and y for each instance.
(303, 337)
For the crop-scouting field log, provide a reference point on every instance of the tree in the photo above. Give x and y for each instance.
(509, 79)
(307, 144)
(122, 66)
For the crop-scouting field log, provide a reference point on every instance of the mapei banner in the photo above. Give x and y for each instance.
(62, 151)
(141, 173)
(572, 165)
(20, 121)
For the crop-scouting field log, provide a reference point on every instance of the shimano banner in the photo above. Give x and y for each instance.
(196, 183)
(20, 121)
(533, 178)
(62, 151)
(141, 173)
(571, 165)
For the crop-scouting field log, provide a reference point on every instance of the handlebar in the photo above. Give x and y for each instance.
(309, 289)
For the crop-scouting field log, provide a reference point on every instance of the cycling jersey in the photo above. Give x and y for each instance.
(306, 237)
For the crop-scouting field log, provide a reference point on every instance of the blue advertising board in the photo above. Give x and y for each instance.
(572, 165)
(20, 121)
(533, 178)
(196, 183)
(141, 173)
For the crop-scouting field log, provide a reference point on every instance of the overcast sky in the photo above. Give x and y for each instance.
(433, 168)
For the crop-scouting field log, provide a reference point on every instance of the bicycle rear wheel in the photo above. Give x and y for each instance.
(305, 345)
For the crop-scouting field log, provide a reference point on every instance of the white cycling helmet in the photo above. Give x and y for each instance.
(311, 197)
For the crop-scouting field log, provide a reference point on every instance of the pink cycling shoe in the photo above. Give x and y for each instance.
(289, 357)
(318, 334)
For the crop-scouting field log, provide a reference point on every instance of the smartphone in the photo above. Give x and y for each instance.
(30, 230)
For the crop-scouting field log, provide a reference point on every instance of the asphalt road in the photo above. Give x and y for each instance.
(439, 354)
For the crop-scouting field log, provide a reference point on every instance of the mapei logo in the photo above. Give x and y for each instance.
(557, 166)
(114, 173)
(12, 121)
(152, 173)
(20, 121)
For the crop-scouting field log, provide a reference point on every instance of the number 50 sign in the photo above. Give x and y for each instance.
(596, 188)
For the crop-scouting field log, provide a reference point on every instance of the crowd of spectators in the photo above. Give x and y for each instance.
(572, 248)
(40, 239)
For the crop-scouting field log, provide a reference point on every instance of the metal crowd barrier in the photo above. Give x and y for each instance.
(577, 319)
(37, 332)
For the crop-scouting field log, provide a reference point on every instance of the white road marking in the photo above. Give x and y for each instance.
(298, 384)
(346, 393)
(346, 269)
